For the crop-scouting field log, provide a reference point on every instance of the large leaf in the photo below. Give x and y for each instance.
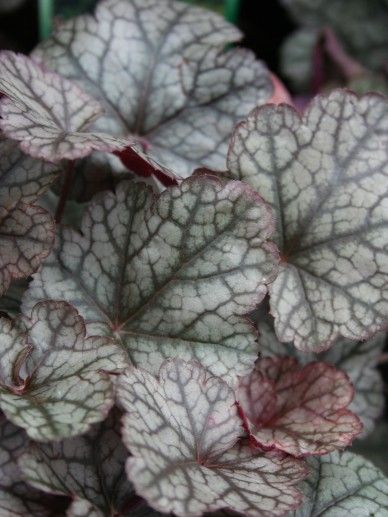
(167, 276)
(298, 410)
(98, 457)
(358, 359)
(47, 113)
(324, 174)
(344, 485)
(159, 69)
(54, 381)
(17, 499)
(182, 431)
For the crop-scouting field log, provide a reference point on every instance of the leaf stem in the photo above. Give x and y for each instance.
(67, 182)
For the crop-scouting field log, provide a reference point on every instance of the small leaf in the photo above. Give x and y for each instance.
(99, 457)
(357, 359)
(344, 484)
(323, 174)
(182, 431)
(26, 238)
(161, 72)
(298, 410)
(47, 113)
(54, 381)
(17, 499)
(168, 276)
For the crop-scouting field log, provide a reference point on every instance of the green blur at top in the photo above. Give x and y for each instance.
(48, 9)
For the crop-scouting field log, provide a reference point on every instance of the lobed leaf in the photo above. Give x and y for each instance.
(17, 499)
(357, 359)
(344, 484)
(160, 70)
(298, 410)
(323, 175)
(48, 114)
(98, 457)
(182, 432)
(54, 381)
(168, 276)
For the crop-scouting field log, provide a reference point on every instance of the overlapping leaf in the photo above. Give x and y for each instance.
(182, 431)
(17, 499)
(54, 381)
(168, 276)
(26, 231)
(360, 25)
(299, 410)
(159, 69)
(98, 457)
(324, 175)
(357, 358)
(47, 113)
(344, 484)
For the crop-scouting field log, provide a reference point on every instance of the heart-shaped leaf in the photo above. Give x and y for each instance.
(167, 276)
(54, 381)
(99, 457)
(159, 69)
(324, 174)
(47, 113)
(358, 359)
(182, 431)
(298, 410)
(344, 484)
(17, 499)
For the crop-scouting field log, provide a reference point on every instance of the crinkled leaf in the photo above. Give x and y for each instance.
(159, 69)
(357, 358)
(54, 381)
(47, 113)
(299, 410)
(324, 174)
(297, 57)
(17, 499)
(168, 276)
(360, 24)
(344, 485)
(26, 238)
(99, 457)
(182, 431)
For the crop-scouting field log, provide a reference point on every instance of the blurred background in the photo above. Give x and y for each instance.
(312, 45)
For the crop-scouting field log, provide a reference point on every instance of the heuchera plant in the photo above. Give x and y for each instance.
(138, 374)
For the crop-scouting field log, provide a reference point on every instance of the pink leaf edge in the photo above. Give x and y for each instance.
(300, 410)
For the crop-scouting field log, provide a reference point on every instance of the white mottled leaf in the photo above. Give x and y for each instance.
(343, 485)
(301, 410)
(182, 432)
(325, 175)
(167, 276)
(160, 70)
(47, 113)
(54, 381)
(357, 358)
(98, 457)
(26, 238)
(17, 499)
